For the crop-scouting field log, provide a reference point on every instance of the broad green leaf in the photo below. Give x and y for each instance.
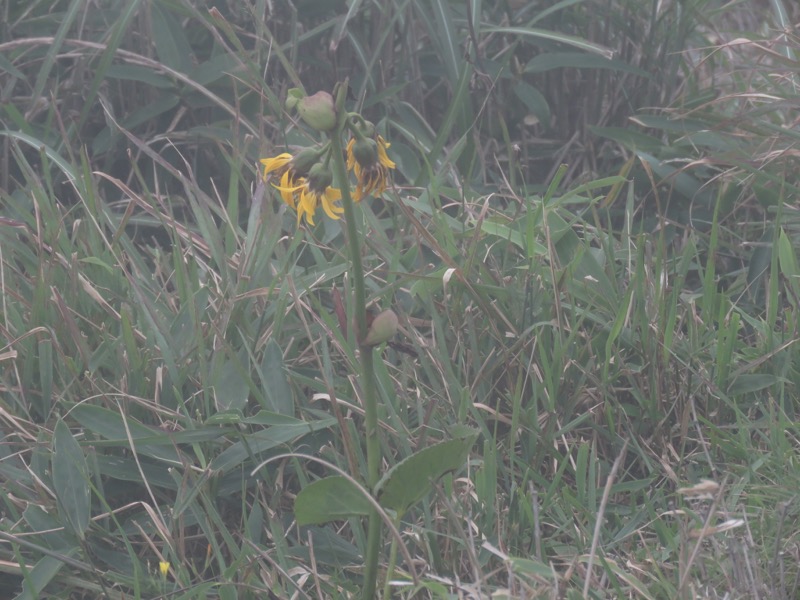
(110, 425)
(410, 480)
(330, 499)
(273, 379)
(231, 387)
(71, 480)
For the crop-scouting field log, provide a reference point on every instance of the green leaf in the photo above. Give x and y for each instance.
(410, 480)
(267, 439)
(533, 100)
(330, 499)
(172, 47)
(633, 140)
(788, 261)
(503, 231)
(753, 382)
(111, 426)
(142, 74)
(553, 36)
(579, 60)
(9, 68)
(71, 480)
(273, 378)
(40, 575)
(231, 387)
(215, 68)
(127, 469)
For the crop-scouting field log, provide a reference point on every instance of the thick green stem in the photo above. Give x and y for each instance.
(367, 367)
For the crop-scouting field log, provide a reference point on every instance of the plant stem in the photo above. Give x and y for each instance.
(367, 368)
(392, 561)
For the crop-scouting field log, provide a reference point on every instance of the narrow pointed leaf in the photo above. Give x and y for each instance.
(273, 377)
(71, 480)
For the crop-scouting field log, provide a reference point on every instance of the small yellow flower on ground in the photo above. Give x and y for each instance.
(163, 568)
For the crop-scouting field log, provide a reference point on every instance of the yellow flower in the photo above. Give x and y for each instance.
(281, 167)
(310, 192)
(368, 160)
(278, 163)
(163, 568)
(290, 171)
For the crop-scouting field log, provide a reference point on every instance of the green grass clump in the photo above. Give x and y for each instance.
(607, 291)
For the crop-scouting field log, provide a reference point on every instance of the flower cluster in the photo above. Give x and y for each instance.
(303, 189)
(304, 180)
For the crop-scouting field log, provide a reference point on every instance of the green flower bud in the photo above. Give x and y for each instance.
(304, 160)
(318, 111)
(319, 178)
(365, 151)
(382, 329)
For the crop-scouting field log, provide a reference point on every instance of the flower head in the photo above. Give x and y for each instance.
(309, 192)
(367, 158)
(291, 172)
(163, 568)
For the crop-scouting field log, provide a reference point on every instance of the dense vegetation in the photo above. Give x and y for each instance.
(590, 240)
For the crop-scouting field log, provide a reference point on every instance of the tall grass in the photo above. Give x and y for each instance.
(620, 328)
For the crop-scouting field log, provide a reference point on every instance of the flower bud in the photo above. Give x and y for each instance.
(382, 329)
(319, 178)
(365, 151)
(304, 160)
(318, 111)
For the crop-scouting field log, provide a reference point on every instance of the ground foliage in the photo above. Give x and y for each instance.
(622, 329)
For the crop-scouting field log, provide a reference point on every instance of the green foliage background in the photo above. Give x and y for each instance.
(619, 328)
